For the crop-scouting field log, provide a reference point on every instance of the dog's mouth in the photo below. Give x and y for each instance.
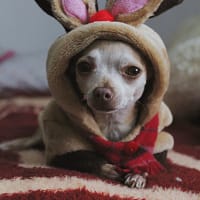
(102, 108)
(106, 111)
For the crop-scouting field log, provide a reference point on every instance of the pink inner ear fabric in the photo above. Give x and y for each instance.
(75, 8)
(127, 6)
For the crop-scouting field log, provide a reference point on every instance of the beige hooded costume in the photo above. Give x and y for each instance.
(66, 122)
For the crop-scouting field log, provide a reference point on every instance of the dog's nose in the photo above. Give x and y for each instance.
(103, 94)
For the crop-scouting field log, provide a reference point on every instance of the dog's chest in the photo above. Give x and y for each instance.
(114, 126)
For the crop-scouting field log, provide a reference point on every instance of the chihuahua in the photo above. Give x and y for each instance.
(111, 77)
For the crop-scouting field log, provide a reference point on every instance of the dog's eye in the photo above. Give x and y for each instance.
(131, 71)
(84, 67)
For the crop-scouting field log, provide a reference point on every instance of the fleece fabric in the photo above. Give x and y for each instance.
(66, 122)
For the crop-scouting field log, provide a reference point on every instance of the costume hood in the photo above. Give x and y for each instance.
(125, 27)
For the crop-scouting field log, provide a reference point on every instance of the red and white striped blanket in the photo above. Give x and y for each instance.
(24, 176)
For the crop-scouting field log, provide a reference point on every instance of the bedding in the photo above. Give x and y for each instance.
(184, 54)
(24, 175)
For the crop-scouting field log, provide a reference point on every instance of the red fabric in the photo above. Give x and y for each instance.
(102, 15)
(176, 176)
(18, 121)
(190, 178)
(134, 156)
(63, 195)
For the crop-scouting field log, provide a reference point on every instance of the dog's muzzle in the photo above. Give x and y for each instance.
(103, 99)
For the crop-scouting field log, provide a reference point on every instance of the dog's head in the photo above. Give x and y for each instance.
(107, 85)
(111, 75)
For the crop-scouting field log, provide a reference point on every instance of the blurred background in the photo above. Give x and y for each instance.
(24, 27)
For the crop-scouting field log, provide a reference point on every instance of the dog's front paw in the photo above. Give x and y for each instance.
(12, 145)
(136, 180)
(109, 171)
(6, 146)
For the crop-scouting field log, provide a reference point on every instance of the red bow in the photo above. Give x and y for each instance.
(102, 15)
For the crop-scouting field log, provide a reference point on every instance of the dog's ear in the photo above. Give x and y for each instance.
(137, 12)
(70, 13)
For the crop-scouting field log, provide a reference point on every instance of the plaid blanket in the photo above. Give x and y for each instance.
(24, 175)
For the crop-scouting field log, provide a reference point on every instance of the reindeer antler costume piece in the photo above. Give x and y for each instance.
(163, 6)
(66, 118)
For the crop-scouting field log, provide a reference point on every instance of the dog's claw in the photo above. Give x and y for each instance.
(135, 180)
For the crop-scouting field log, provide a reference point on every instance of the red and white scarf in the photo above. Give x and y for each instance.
(134, 156)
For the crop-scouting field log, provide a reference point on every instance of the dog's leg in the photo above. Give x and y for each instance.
(22, 143)
(86, 161)
(91, 162)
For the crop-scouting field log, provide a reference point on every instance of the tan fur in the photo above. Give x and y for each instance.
(69, 45)
(62, 133)
(73, 112)
(65, 122)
